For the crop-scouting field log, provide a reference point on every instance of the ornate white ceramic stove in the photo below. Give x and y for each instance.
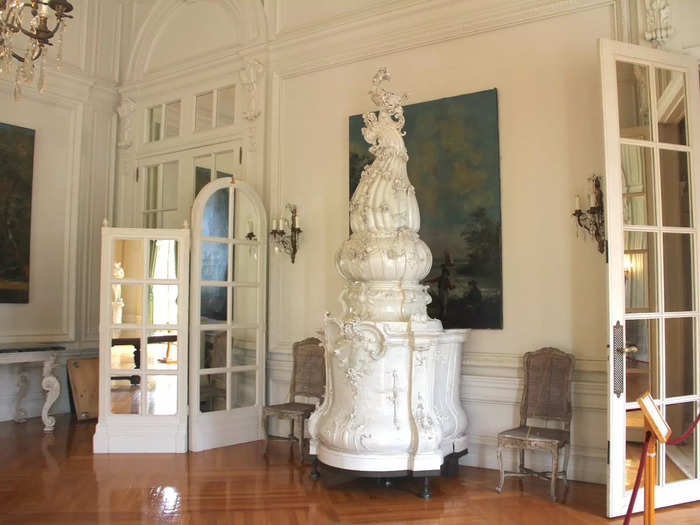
(393, 374)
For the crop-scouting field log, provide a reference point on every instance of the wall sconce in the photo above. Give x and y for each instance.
(287, 242)
(592, 220)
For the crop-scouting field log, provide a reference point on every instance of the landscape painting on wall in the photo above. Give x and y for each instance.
(454, 165)
(16, 170)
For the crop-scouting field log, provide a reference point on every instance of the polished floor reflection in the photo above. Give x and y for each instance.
(55, 479)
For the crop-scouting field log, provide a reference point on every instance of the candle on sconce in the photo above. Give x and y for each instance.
(578, 202)
(591, 200)
(275, 224)
(43, 10)
(250, 226)
(296, 221)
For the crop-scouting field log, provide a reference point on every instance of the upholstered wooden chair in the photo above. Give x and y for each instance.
(308, 380)
(546, 397)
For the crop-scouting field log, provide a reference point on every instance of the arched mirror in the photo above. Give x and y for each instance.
(227, 314)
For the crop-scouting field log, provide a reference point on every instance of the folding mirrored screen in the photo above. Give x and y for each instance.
(212, 392)
(161, 395)
(161, 350)
(127, 259)
(162, 304)
(212, 349)
(243, 388)
(125, 395)
(244, 346)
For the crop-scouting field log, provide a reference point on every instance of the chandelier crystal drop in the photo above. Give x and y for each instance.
(27, 29)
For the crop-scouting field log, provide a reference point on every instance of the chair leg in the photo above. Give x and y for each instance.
(555, 469)
(264, 432)
(301, 440)
(566, 464)
(291, 435)
(521, 468)
(501, 475)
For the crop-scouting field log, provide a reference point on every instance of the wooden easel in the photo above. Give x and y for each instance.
(655, 423)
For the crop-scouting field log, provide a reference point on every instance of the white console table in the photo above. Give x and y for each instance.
(49, 382)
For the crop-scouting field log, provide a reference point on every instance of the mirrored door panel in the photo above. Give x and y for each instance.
(143, 339)
(228, 311)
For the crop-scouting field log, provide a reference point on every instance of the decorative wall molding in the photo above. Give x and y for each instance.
(66, 330)
(385, 30)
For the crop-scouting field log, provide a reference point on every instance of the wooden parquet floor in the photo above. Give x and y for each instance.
(55, 479)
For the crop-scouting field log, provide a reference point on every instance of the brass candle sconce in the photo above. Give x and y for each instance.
(592, 220)
(285, 233)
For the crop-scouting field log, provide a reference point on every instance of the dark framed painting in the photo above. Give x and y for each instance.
(16, 173)
(454, 164)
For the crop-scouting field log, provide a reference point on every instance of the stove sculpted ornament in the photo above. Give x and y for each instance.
(392, 399)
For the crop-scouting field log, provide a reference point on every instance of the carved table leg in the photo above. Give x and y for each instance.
(53, 389)
(22, 385)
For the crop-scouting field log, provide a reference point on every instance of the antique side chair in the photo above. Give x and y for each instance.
(546, 396)
(308, 380)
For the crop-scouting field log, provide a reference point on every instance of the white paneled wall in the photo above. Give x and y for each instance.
(72, 193)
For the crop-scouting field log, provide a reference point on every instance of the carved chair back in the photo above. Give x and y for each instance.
(309, 370)
(547, 391)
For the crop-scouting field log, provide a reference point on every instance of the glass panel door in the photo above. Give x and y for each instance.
(650, 140)
(143, 341)
(227, 310)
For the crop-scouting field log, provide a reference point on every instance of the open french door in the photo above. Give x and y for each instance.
(227, 315)
(651, 109)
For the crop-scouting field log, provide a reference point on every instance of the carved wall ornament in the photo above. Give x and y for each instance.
(249, 78)
(658, 18)
(380, 412)
(125, 111)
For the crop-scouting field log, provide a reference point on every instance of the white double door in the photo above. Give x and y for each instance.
(651, 102)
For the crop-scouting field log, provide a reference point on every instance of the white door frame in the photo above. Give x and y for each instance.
(610, 51)
(231, 426)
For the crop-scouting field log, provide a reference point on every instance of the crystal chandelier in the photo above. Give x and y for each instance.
(30, 18)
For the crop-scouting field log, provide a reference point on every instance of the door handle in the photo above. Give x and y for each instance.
(618, 359)
(631, 349)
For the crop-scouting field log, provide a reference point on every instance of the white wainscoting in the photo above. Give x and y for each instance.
(492, 403)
